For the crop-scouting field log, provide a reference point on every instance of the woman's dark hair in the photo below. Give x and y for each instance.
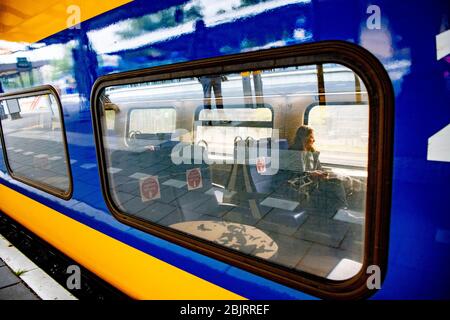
(302, 134)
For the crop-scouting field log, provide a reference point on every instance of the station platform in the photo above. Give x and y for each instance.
(12, 287)
(22, 279)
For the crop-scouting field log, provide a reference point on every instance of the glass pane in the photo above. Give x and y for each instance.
(227, 158)
(33, 140)
(341, 132)
(229, 125)
(154, 120)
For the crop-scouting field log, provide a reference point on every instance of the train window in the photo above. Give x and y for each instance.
(341, 132)
(265, 165)
(34, 140)
(152, 121)
(338, 78)
(218, 129)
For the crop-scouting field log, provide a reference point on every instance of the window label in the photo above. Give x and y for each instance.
(149, 188)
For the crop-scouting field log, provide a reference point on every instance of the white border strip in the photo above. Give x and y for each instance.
(39, 281)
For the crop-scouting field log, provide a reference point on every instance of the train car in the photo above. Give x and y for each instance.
(239, 149)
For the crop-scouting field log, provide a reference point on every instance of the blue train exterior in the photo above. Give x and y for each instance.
(405, 43)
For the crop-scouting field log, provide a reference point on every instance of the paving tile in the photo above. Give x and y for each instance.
(280, 203)
(322, 230)
(350, 216)
(15, 259)
(345, 269)
(325, 203)
(180, 215)
(46, 287)
(354, 242)
(290, 250)
(7, 278)
(283, 221)
(118, 179)
(156, 168)
(212, 208)
(122, 197)
(174, 183)
(131, 187)
(17, 292)
(243, 215)
(135, 205)
(113, 170)
(156, 211)
(211, 191)
(222, 195)
(139, 175)
(169, 194)
(285, 191)
(191, 200)
(320, 260)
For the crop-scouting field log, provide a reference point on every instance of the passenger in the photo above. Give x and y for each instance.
(212, 83)
(324, 190)
(309, 156)
(203, 45)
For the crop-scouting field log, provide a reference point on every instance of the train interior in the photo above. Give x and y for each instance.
(215, 157)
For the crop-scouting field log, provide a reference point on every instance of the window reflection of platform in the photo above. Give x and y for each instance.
(307, 238)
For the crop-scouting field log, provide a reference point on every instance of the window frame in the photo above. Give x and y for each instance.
(380, 158)
(35, 91)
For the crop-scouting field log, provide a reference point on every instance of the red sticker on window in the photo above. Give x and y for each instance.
(149, 188)
(194, 179)
(261, 165)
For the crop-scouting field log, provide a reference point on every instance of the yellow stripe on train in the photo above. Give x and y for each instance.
(139, 275)
(31, 20)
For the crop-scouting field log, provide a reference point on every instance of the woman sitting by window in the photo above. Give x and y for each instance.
(326, 190)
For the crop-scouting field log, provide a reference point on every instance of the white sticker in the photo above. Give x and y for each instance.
(439, 145)
(194, 179)
(443, 44)
(149, 188)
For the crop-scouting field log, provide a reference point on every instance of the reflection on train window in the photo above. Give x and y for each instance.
(148, 124)
(341, 133)
(219, 129)
(34, 141)
(338, 78)
(238, 167)
(152, 121)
